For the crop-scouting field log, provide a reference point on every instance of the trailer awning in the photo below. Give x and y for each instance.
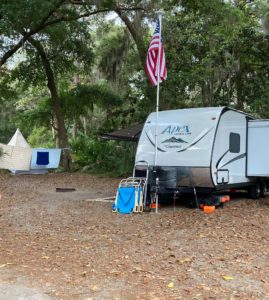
(131, 134)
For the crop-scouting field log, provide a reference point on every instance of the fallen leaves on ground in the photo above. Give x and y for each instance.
(76, 249)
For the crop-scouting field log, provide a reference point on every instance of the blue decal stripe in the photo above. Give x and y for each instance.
(153, 144)
(234, 159)
(196, 141)
(218, 162)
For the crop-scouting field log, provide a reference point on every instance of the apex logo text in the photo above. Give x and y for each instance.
(177, 130)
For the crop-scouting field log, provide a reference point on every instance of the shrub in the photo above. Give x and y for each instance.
(106, 157)
(41, 137)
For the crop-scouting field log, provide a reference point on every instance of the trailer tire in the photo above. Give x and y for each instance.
(254, 191)
(190, 201)
(263, 189)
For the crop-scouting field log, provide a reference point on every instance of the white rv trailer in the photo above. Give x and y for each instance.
(209, 148)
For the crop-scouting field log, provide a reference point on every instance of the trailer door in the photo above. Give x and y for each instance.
(258, 148)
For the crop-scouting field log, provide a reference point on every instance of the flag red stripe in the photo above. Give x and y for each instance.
(152, 60)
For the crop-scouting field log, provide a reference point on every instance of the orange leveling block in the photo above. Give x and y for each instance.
(153, 205)
(209, 209)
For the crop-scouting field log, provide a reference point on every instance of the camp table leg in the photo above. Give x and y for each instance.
(116, 200)
(141, 200)
(136, 200)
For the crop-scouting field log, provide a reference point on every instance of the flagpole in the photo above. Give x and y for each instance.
(160, 14)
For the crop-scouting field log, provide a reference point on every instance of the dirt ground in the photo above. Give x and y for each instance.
(61, 246)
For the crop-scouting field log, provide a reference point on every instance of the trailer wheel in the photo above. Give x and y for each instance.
(263, 189)
(254, 191)
(190, 201)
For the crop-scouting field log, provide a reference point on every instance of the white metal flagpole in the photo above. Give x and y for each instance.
(160, 14)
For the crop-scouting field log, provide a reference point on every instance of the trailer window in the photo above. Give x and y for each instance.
(234, 146)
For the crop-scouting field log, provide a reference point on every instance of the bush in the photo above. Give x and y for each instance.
(41, 137)
(103, 157)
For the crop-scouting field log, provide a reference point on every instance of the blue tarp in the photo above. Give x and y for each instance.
(42, 158)
(52, 162)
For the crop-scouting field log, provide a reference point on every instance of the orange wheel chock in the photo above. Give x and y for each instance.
(153, 205)
(209, 209)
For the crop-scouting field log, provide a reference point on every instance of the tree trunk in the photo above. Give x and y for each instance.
(137, 35)
(74, 129)
(61, 133)
(239, 91)
(85, 126)
(135, 32)
(207, 93)
(239, 82)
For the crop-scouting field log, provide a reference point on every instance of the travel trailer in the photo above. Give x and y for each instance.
(206, 149)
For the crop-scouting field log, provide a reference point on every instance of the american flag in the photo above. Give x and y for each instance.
(152, 58)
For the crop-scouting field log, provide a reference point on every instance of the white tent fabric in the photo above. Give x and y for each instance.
(20, 158)
(18, 140)
(15, 158)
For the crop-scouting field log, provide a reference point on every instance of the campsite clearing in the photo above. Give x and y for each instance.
(63, 247)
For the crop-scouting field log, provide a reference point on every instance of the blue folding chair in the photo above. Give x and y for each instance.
(130, 195)
(125, 200)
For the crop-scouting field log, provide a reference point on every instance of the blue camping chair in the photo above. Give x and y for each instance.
(130, 195)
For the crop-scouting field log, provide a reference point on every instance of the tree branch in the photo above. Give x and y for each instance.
(135, 34)
(13, 50)
(45, 23)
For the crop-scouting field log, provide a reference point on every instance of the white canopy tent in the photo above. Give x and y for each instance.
(18, 141)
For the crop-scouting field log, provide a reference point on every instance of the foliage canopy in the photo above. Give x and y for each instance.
(76, 68)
